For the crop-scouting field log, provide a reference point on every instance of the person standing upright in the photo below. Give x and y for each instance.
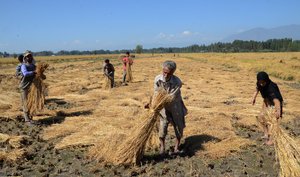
(175, 111)
(28, 74)
(108, 71)
(127, 62)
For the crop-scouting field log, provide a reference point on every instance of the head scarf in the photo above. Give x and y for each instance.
(262, 76)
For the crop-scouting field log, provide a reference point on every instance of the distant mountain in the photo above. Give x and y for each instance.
(262, 34)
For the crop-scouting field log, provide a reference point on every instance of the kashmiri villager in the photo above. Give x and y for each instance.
(127, 63)
(272, 98)
(173, 112)
(28, 74)
(108, 71)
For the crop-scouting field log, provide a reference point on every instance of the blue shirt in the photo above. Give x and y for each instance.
(27, 70)
(28, 75)
(18, 70)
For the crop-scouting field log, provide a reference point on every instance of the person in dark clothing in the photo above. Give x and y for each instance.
(109, 71)
(272, 98)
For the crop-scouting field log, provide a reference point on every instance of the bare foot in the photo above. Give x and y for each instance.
(269, 142)
(29, 123)
(264, 137)
(176, 152)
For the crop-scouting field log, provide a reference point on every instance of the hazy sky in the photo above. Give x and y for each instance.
(122, 24)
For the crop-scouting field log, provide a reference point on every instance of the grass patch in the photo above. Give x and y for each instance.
(230, 67)
(202, 60)
(294, 58)
(286, 77)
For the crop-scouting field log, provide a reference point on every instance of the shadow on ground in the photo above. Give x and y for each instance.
(191, 145)
(194, 143)
(61, 116)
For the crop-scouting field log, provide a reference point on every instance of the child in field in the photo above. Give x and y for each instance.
(109, 70)
(272, 98)
(18, 73)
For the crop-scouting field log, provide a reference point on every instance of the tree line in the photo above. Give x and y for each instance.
(271, 45)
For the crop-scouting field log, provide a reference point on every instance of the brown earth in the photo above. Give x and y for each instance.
(222, 137)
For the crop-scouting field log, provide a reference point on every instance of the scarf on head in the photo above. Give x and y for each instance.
(262, 76)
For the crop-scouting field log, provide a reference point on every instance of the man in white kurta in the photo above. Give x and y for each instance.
(175, 111)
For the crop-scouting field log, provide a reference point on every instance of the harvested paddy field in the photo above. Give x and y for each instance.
(221, 138)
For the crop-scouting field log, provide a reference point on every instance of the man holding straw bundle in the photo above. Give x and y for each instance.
(175, 111)
(28, 74)
(272, 98)
(108, 71)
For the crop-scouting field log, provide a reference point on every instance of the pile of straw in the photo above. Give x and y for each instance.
(131, 150)
(12, 156)
(37, 90)
(287, 149)
(13, 147)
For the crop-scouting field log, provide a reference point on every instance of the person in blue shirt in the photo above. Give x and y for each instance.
(28, 74)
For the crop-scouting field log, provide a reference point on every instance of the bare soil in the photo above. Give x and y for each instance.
(42, 159)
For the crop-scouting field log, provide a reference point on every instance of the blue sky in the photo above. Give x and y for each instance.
(122, 24)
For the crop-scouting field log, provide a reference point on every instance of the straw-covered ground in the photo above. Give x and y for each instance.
(222, 137)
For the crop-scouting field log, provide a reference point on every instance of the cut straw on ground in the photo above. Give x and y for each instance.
(286, 147)
(13, 147)
(131, 150)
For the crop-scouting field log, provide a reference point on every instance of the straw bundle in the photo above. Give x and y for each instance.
(103, 152)
(129, 73)
(107, 82)
(153, 142)
(287, 149)
(131, 150)
(37, 90)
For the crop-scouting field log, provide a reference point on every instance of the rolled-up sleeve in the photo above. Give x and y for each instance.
(156, 83)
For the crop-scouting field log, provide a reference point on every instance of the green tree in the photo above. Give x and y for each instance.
(139, 49)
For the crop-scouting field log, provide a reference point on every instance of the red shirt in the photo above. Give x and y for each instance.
(125, 61)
